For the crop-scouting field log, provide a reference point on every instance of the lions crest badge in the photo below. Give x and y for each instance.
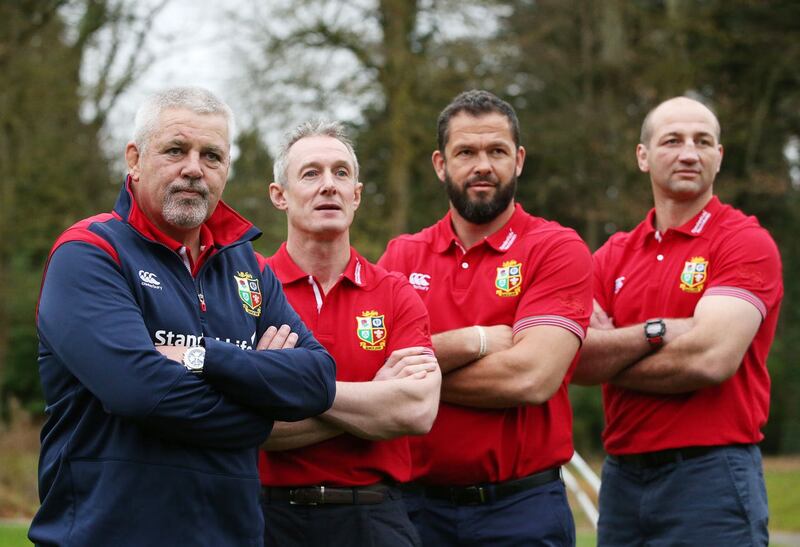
(371, 330)
(509, 279)
(249, 292)
(694, 274)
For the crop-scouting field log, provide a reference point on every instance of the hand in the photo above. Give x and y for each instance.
(174, 353)
(600, 319)
(274, 338)
(414, 361)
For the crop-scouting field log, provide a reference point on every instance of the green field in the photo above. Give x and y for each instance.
(14, 535)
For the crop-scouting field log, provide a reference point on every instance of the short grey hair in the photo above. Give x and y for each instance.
(194, 99)
(312, 128)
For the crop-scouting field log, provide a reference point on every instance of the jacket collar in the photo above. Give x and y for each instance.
(224, 227)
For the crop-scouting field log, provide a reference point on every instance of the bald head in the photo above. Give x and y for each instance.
(682, 107)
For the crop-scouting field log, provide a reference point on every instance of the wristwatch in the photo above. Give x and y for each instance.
(654, 331)
(193, 359)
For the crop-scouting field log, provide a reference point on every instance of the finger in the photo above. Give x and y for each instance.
(291, 341)
(280, 337)
(413, 360)
(266, 338)
(398, 354)
(415, 369)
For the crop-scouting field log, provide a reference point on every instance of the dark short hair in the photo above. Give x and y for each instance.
(475, 102)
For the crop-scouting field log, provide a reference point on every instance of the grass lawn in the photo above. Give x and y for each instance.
(783, 491)
(14, 535)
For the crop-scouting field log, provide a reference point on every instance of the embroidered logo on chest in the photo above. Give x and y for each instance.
(694, 274)
(420, 281)
(249, 292)
(509, 279)
(371, 330)
(149, 279)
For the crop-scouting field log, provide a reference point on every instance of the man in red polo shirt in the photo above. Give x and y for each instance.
(509, 296)
(329, 480)
(686, 307)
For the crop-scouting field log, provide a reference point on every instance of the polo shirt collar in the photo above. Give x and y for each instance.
(694, 226)
(501, 240)
(288, 271)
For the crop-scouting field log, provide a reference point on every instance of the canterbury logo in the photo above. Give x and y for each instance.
(149, 279)
(420, 281)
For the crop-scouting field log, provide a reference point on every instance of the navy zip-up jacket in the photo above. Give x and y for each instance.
(137, 450)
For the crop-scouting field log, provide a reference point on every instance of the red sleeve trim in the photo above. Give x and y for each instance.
(552, 320)
(743, 294)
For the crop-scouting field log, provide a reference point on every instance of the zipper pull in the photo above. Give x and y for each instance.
(202, 302)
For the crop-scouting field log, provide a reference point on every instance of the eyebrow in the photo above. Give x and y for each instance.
(215, 149)
(318, 165)
(680, 133)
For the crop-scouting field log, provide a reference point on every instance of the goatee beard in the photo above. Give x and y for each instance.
(186, 212)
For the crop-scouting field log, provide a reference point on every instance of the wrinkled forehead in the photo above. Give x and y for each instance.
(685, 117)
(319, 150)
(465, 126)
(181, 122)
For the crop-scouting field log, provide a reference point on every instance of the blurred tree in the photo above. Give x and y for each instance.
(54, 171)
(383, 59)
(247, 191)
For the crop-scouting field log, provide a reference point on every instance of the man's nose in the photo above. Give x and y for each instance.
(328, 184)
(482, 165)
(192, 167)
(689, 153)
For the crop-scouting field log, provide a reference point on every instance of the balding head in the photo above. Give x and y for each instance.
(671, 108)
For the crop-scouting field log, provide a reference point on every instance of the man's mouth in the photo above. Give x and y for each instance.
(327, 207)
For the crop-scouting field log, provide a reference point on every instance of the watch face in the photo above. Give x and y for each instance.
(655, 328)
(193, 358)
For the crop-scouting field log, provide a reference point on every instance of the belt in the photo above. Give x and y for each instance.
(664, 457)
(484, 493)
(327, 495)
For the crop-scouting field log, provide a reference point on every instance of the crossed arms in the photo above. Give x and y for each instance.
(700, 351)
(402, 399)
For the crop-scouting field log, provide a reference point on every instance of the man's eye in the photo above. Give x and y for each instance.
(464, 153)
(174, 151)
(310, 174)
(342, 173)
(213, 156)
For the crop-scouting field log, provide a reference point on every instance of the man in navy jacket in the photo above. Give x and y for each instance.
(148, 321)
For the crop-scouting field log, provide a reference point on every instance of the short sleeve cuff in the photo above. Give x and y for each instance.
(552, 320)
(743, 294)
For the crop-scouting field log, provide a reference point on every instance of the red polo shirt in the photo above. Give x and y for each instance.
(367, 315)
(643, 274)
(530, 272)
